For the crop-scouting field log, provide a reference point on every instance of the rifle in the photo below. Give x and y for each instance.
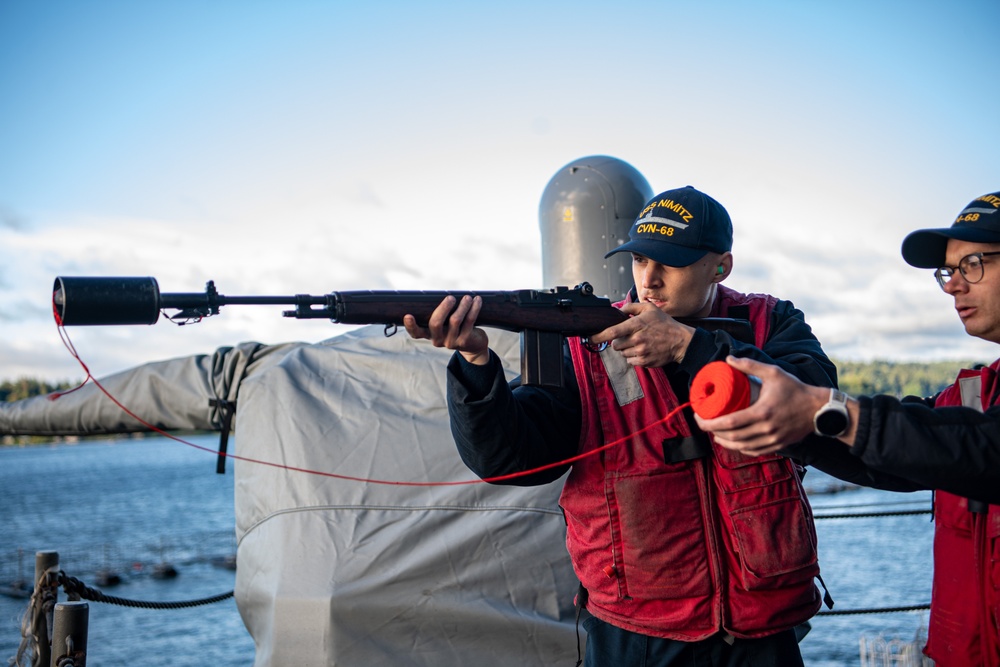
(543, 317)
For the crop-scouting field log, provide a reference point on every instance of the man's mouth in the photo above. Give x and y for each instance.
(659, 303)
(965, 312)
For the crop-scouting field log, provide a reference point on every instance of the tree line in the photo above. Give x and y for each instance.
(15, 390)
(857, 378)
(898, 379)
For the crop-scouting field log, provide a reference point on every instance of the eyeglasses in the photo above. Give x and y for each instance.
(971, 267)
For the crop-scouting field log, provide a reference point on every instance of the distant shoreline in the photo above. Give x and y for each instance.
(37, 440)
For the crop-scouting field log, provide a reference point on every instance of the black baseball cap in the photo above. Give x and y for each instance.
(979, 222)
(678, 227)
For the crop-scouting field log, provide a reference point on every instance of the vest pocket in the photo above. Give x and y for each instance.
(953, 512)
(662, 535)
(993, 537)
(741, 472)
(776, 544)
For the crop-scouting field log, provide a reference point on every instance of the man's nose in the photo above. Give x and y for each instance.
(957, 283)
(651, 275)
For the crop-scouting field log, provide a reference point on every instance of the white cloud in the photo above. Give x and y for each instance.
(328, 162)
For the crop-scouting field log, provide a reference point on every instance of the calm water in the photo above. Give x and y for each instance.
(869, 563)
(129, 504)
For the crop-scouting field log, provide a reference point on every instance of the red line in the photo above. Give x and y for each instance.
(501, 478)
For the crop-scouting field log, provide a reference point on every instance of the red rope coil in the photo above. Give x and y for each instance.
(719, 389)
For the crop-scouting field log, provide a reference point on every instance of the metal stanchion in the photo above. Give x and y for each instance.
(42, 626)
(69, 635)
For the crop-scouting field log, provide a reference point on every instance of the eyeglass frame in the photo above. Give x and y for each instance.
(951, 269)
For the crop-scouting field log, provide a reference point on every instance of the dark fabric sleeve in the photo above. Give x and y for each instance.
(954, 449)
(835, 459)
(791, 345)
(501, 429)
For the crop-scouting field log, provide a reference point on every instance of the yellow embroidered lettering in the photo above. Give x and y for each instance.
(679, 209)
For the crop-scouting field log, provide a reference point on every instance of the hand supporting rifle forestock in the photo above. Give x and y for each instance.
(453, 326)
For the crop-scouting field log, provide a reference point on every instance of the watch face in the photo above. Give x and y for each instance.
(831, 422)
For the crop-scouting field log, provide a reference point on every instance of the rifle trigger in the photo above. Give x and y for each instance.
(390, 330)
(593, 347)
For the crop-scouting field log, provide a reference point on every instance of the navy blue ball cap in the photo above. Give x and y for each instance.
(678, 227)
(979, 222)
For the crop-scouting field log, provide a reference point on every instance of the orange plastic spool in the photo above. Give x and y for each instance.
(719, 389)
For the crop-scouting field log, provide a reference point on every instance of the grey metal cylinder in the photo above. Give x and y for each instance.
(69, 634)
(586, 211)
(45, 561)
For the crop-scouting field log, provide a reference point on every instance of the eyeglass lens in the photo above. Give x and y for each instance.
(971, 267)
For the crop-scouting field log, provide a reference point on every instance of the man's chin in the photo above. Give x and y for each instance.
(989, 334)
(992, 335)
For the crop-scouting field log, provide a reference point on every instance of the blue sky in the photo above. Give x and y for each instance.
(291, 147)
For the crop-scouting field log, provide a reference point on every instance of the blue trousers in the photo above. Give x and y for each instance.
(611, 646)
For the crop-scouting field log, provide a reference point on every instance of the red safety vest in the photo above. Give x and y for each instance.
(683, 549)
(965, 599)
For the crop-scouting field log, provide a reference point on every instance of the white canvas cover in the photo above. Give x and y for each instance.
(339, 572)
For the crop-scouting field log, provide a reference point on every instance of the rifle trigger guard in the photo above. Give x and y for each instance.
(593, 347)
(390, 330)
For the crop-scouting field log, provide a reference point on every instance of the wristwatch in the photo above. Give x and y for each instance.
(832, 419)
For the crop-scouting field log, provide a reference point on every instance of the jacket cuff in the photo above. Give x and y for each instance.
(701, 350)
(863, 427)
(477, 380)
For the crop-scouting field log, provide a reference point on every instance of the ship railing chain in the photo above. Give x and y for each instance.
(879, 610)
(75, 587)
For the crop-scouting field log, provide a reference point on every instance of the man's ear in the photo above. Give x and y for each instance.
(724, 268)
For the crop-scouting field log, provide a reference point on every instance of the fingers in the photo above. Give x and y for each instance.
(734, 421)
(435, 330)
(749, 366)
(777, 377)
(636, 308)
(410, 324)
(754, 439)
(462, 322)
(748, 448)
(649, 338)
(452, 325)
(620, 330)
(451, 318)
(629, 326)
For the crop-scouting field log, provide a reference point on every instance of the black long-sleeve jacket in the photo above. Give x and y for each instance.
(909, 445)
(502, 429)
(953, 449)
